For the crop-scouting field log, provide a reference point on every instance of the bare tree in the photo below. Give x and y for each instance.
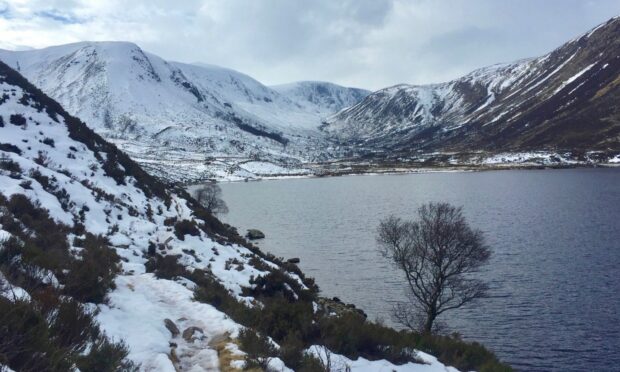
(438, 252)
(209, 196)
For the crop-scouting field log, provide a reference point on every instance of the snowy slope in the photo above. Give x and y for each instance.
(186, 122)
(321, 97)
(119, 211)
(154, 108)
(566, 99)
(89, 187)
(402, 108)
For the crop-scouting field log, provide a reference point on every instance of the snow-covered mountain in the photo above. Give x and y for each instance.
(159, 110)
(195, 121)
(321, 97)
(104, 268)
(564, 100)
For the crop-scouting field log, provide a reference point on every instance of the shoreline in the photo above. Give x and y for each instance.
(380, 171)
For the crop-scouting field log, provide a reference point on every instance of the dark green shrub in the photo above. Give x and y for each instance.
(165, 267)
(26, 185)
(106, 356)
(458, 353)
(48, 141)
(8, 147)
(279, 318)
(42, 159)
(110, 166)
(278, 284)
(259, 350)
(17, 119)
(309, 363)
(25, 339)
(292, 351)
(47, 246)
(44, 181)
(90, 278)
(71, 326)
(54, 334)
(210, 291)
(185, 227)
(152, 248)
(9, 165)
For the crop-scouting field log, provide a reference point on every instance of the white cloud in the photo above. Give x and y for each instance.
(367, 43)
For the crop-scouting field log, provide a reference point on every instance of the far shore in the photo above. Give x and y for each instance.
(403, 170)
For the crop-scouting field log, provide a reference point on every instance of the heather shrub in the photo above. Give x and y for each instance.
(185, 227)
(165, 267)
(90, 277)
(259, 350)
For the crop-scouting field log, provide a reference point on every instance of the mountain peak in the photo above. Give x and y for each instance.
(528, 104)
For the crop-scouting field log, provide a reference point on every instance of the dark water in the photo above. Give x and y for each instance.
(555, 273)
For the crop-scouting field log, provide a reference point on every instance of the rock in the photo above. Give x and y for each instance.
(335, 306)
(254, 234)
(171, 327)
(294, 260)
(188, 333)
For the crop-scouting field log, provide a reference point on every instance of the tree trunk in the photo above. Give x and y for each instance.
(430, 318)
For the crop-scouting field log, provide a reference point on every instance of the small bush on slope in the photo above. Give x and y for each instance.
(165, 267)
(185, 227)
(92, 276)
(259, 350)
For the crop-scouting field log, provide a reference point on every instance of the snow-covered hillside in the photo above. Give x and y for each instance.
(157, 110)
(87, 237)
(402, 108)
(321, 97)
(566, 100)
(188, 122)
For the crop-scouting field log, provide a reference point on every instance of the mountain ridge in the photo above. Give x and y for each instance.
(478, 111)
(190, 122)
(155, 109)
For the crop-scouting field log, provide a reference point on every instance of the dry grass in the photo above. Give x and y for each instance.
(607, 88)
(225, 355)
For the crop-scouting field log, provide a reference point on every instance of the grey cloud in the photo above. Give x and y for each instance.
(366, 43)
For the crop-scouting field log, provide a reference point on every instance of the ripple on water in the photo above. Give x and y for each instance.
(555, 288)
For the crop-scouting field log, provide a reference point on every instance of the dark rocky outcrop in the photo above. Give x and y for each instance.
(254, 234)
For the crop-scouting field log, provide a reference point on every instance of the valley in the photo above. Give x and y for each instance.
(216, 123)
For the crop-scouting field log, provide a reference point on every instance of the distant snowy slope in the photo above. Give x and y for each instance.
(189, 122)
(149, 106)
(566, 99)
(321, 97)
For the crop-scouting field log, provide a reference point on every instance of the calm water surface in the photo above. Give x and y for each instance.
(555, 272)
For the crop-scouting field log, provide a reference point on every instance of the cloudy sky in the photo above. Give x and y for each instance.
(364, 43)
